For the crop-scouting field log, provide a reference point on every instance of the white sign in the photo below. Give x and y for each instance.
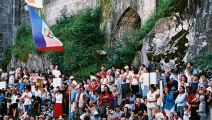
(3, 85)
(57, 82)
(146, 79)
(149, 78)
(153, 78)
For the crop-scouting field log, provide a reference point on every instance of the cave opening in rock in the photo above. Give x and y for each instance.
(129, 21)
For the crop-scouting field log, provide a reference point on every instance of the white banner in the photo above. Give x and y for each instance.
(146, 79)
(3, 85)
(153, 78)
(57, 82)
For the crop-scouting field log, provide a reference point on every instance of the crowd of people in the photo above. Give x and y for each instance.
(110, 94)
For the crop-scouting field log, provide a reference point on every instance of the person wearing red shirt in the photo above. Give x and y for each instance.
(105, 100)
(193, 101)
(102, 72)
(93, 86)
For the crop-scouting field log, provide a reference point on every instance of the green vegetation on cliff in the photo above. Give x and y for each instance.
(132, 41)
(203, 61)
(82, 37)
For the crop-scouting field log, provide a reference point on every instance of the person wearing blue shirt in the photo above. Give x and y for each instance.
(204, 82)
(2, 100)
(73, 95)
(131, 97)
(2, 97)
(21, 85)
(168, 102)
(181, 100)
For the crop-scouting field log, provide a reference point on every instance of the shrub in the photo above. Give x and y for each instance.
(81, 37)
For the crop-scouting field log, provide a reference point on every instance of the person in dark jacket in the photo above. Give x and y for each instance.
(194, 84)
(126, 113)
(140, 106)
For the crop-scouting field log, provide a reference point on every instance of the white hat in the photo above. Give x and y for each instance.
(74, 83)
(96, 113)
(126, 67)
(71, 77)
(209, 89)
(92, 77)
(25, 76)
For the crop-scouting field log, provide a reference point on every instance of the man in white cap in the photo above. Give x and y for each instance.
(71, 80)
(73, 92)
(127, 77)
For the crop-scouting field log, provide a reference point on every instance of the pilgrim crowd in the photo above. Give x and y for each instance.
(110, 94)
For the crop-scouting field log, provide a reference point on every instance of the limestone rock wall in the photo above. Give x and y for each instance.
(8, 23)
(54, 7)
(34, 61)
(180, 37)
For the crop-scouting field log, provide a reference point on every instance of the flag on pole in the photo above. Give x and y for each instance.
(42, 35)
(35, 3)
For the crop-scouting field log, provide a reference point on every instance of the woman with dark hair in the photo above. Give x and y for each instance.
(133, 115)
(106, 99)
(126, 113)
(193, 101)
(169, 102)
(151, 101)
(58, 110)
(134, 81)
(181, 100)
(183, 81)
(14, 102)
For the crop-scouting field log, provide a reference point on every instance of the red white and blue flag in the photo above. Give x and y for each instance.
(42, 35)
(35, 3)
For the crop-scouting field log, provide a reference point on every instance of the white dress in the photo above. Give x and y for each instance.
(12, 77)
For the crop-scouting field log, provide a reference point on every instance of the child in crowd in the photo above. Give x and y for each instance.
(187, 113)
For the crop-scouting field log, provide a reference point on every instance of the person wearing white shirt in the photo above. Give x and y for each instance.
(127, 77)
(158, 115)
(58, 110)
(37, 92)
(56, 72)
(103, 82)
(118, 81)
(151, 101)
(183, 82)
(14, 102)
(134, 82)
(27, 101)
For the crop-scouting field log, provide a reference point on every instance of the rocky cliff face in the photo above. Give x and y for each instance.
(177, 38)
(34, 61)
(180, 37)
